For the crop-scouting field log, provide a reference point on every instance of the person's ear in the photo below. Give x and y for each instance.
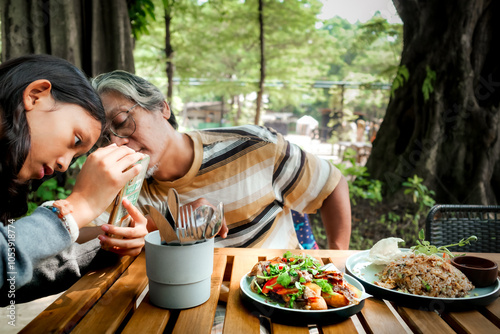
(166, 111)
(36, 93)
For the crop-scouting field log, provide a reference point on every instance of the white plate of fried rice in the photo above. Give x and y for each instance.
(430, 285)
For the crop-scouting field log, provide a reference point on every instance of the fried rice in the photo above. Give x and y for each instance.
(425, 275)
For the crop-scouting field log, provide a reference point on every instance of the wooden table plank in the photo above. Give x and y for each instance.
(492, 312)
(238, 318)
(284, 329)
(377, 316)
(109, 312)
(423, 321)
(200, 319)
(147, 319)
(470, 322)
(157, 318)
(65, 312)
(344, 327)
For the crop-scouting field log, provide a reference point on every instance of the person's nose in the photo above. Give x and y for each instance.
(62, 163)
(119, 141)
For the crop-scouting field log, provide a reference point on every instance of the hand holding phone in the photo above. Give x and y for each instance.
(119, 216)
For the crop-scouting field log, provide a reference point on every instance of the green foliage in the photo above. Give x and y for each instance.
(372, 220)
(377, 47)
(50, 190)
(402, 76)
(428, 85)
(360, 185)
(421, 195)
(54, 189)
(140, 13)
(299, 49)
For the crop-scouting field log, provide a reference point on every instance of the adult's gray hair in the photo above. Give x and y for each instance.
(134, 88)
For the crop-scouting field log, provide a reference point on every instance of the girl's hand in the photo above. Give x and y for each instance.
(133, 236)
(101, 178)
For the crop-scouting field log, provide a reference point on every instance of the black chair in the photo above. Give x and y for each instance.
(448, 224)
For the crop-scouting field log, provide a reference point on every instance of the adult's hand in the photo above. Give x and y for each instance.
(102, 176)
(202, 201)
(126, 240)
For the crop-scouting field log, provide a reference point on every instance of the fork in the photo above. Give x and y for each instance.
(186, 226)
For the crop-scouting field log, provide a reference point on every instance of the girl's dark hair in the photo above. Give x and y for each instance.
(69, 85)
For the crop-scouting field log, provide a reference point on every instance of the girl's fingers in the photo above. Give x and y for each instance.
(120, 157)
(110, 242)
(124, 252)
(138, 231)
(129, 240)
(136, 215)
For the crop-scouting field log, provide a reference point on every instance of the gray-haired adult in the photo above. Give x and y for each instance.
(258, 175)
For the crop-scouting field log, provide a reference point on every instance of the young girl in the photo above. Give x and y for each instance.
(49, 116)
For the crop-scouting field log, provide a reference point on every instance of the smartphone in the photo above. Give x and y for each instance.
(119, 216)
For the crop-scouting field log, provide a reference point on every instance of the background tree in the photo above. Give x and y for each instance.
(262, 63)
(173, 8)
(217, 52)
(94, 35)
(442, 122)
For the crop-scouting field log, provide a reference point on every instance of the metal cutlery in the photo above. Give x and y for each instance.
(167, 233)
(215, 223)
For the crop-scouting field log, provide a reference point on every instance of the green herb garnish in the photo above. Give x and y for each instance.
(325, 286)
(424, 247)
(254, 282)
(284, 279)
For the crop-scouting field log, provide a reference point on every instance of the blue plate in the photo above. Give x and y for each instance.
(360, 267)
(260, 304)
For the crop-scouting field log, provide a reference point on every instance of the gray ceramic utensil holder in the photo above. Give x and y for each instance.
(179, 276)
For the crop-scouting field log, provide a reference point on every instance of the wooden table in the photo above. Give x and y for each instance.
(105, 301)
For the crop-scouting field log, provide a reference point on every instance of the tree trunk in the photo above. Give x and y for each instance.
(169, 52)
(451, 137)
(111, 43)
(94, 35)
(222, 106)
(238, 112)
(262, 63)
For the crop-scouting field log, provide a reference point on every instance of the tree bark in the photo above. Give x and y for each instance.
(260, 93)
(169, 53)
(94, 35)
(450, 139)
(239, 111)
(111, 43)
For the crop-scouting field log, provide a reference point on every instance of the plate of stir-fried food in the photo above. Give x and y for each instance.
(297, 284)
(420, 277)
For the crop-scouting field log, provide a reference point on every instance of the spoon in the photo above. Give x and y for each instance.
(167, 233)
(215, 223)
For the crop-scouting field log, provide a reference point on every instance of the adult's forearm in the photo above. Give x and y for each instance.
(336, 216)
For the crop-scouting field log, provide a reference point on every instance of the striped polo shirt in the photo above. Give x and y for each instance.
(259, 176)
